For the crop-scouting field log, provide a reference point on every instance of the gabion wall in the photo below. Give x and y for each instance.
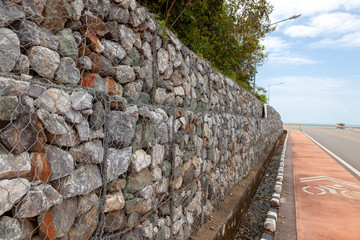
(111, 128)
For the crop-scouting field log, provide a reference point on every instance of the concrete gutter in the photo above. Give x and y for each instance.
(227, 218)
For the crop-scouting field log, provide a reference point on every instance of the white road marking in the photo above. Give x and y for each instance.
(356, 172)
(322, 178)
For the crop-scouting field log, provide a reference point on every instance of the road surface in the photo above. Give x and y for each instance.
(344, 144)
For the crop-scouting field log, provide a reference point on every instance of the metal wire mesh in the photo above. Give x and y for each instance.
(110, 128)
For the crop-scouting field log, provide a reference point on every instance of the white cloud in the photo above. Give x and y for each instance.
(286, 8)
(290, 59)
(351, 40)
(336, 23)
(279, 53)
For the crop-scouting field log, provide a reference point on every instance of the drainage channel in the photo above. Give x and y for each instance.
(252, 224)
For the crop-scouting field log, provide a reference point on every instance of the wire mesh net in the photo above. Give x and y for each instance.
(110, 128)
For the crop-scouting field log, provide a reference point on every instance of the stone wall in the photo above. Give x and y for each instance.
(111, 128)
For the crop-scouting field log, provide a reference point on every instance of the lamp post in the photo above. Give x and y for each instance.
(290, 18)
(286, 19)
(269, 90)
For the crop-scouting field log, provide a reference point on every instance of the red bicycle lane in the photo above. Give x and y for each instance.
(327, 196)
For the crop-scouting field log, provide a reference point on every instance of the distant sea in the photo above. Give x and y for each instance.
(327, 124)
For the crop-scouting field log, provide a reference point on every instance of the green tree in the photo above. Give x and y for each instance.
(225, 32)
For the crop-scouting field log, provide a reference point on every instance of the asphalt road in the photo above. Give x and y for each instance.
(344, 144)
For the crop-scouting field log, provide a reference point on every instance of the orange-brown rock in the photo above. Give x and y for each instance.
(40, 167)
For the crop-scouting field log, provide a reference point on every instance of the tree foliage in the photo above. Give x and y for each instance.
(225, 32)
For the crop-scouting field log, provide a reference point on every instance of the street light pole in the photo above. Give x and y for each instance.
(269, 90)
(290, 18)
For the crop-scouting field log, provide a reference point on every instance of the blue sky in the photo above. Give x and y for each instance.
(317, 57)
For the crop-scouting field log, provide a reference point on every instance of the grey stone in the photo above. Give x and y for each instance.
(11, 191)
(85, 62)
(138, 205)
(19, 136)
(146, 50)
(133, 89)
(27, 104)
(127, 37)
(178, 60)
(35, 90)
(137, 182)
(33, 10)
(56, 13)
(132, 219)
(53, 123)
(132, 59)
(100, 7)
(9, 50)
(61, 162)
(31, 35)
(164, 233)
(83, 130)
(44, 61)
(156, 175)
(22, 65)
(77, 8)
(145, 135)
(69, 139)
(147, 192)
(81, 100)
(172, 52)
(85, 225)
(82, 181)
(140, 160)
(37, 201)
(55, 101)
(74, 116)
(86, 203)
(162, 135)
(147, 36)
(113, 30)
(118, 161)
(176, 42)
(14, 166)
(67, 44)
(169, 71)
(152, 115)
(90, 152)
(10, 228)
(97, 119)
(58, 220)
(123, 127)
(162, 58)
(160, 96)
(102, 66)
(10, 12)
(119, 15)
(9, 108)
(138, 43)
(125, 74)
(147, 70)
(138, 16)
(67, 71)
(113, 51)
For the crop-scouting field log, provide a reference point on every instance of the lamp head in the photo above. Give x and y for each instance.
(295, 17)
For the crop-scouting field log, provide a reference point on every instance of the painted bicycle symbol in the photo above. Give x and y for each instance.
(333, 189)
